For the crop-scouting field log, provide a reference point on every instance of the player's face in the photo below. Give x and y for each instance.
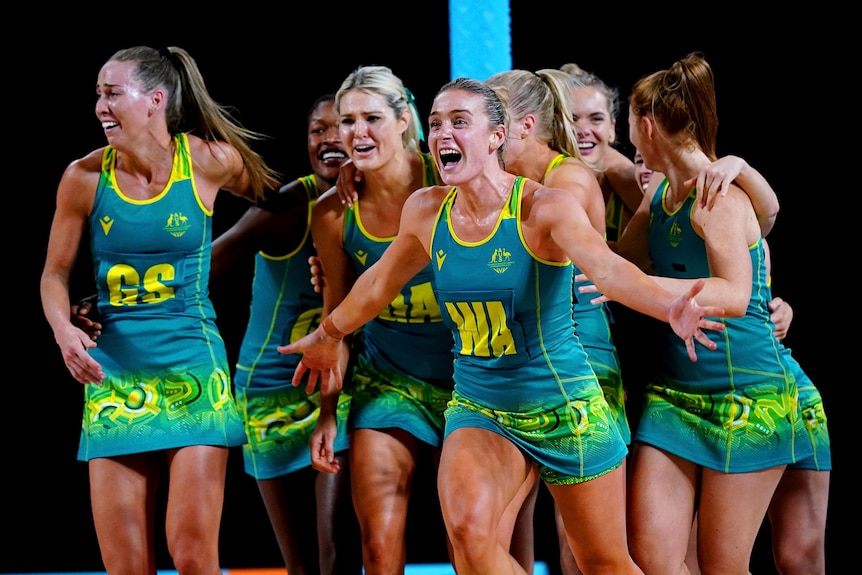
(369, 130)
(325, 150)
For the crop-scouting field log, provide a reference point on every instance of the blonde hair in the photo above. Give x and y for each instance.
(383, 82)
(545, 95)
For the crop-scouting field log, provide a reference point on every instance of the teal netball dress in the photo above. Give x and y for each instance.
(735, 409)
(280, 418)
(403, 372)
(520, 369)
(593, 324)
(168, 382)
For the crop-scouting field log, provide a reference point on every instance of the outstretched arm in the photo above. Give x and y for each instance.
(620, 279)
(371, 292)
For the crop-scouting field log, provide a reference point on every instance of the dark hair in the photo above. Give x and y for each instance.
(330, 97)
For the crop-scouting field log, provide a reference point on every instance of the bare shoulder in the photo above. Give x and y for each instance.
(735, 201)
(329, 202)
(540, 202)
(80, 179)
(420, 212)
(89, 164)
(733, 211)
(535, 193)
(217, 160)
(429, 198)
(577, 169)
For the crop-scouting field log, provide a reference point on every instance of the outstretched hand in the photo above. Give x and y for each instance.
(687, 319)
(320, 358)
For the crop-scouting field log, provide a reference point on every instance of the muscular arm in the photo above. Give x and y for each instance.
(347, 309)
(577, 177)
(571, 236)
(613, 275)
(75, 196)
(219, 166)
(728, 229)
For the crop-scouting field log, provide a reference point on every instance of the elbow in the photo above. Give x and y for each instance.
(736, 308)
(768, 221)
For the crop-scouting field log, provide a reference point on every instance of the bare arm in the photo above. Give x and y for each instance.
(613, 275)
(275, 233)
(74, 199)
(380, 283)
(714, 180)
(371, 292)
(218, 166)
(577, 177)
(621, 175)
(633, 244)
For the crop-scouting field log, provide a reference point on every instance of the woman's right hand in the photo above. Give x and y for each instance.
(320, 358)
(74, 344)
(321, 444)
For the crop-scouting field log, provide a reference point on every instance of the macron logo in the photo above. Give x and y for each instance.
(441, 257)
(361, 255)
(106, 222)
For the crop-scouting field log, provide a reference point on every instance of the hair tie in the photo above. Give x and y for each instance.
(411, 100)
(167, 55)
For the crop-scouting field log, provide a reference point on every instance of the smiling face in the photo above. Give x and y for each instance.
(369, 130)
(595, 126)
(325, 150)
(121, 107)
(460, 137)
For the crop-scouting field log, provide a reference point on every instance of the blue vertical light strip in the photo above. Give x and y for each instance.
(480, 38)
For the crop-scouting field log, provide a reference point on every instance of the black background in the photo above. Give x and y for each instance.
(777, 104)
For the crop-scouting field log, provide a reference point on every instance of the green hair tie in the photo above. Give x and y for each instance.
(412, 101)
